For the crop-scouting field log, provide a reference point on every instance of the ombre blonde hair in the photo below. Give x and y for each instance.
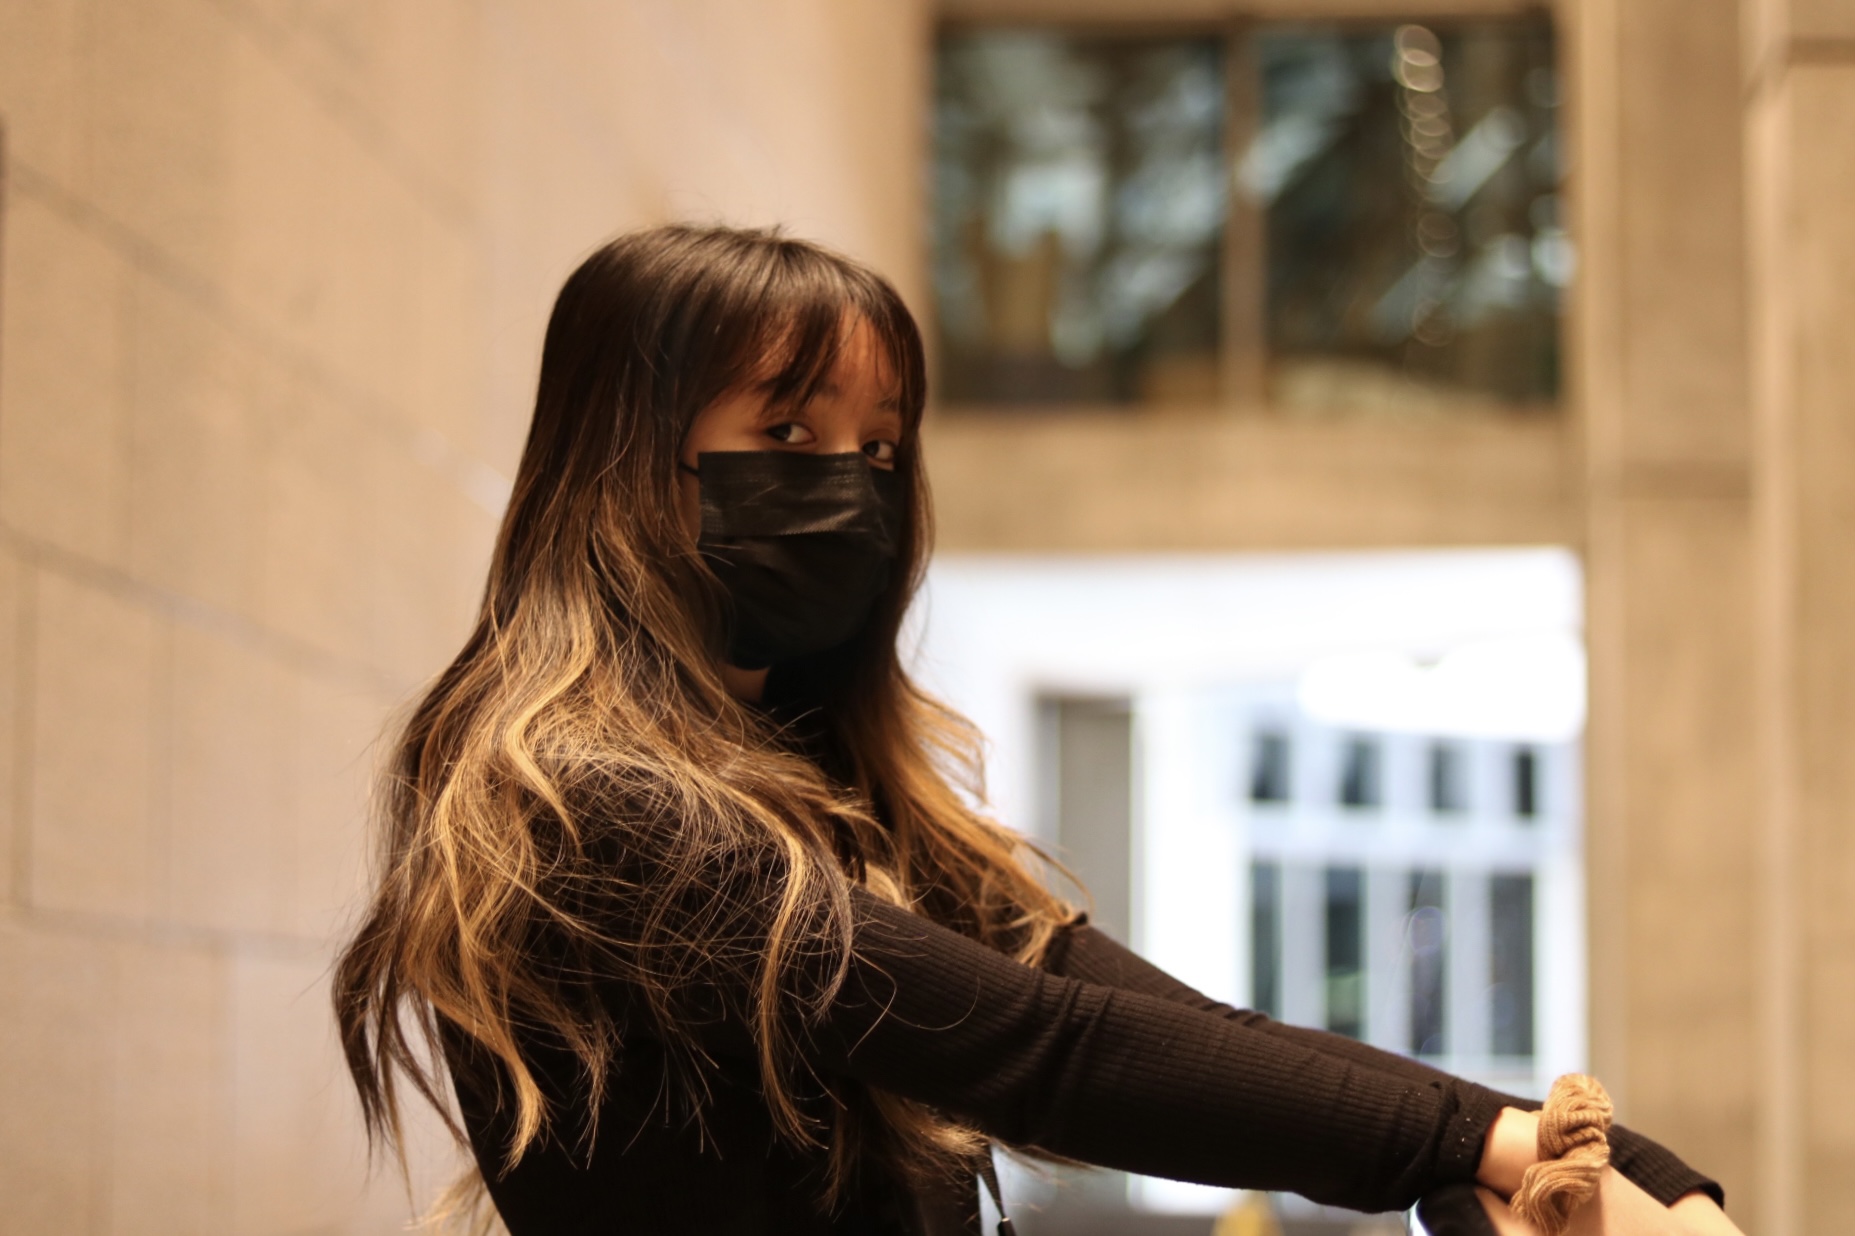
(578, 799)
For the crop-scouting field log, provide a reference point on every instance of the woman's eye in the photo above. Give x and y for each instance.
(792, 434)
(881, 452)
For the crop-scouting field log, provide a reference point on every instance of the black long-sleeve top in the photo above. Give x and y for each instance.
(1097, 1056)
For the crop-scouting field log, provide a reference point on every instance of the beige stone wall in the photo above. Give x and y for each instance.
(1800, 92)
(1661, 339)
(1717, 350)
(273, 285)
(1058, 482)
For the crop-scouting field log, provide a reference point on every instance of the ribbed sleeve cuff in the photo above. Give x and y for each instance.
(1644, 1162)
(1459, 1156)
(1656, 1170)
(1452, 1209)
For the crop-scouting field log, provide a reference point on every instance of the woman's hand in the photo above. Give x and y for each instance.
(1619, 1208)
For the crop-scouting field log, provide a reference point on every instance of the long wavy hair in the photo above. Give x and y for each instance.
(578, 796)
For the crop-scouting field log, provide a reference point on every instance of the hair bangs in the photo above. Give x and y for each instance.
(806, 315)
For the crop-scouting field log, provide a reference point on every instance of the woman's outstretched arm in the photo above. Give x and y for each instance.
(1134, 1081)
(1084, 953)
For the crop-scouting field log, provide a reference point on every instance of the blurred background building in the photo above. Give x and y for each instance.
(1341, 788)
(1322, 385)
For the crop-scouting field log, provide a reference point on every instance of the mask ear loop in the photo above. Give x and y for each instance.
(989, 1174)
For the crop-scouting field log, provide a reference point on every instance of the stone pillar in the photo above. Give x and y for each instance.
(1660, 380)
(1800, 94)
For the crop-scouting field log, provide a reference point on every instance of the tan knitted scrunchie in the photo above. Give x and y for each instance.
(1574, 1150)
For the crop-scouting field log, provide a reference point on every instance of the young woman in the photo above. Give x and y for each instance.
(681, 885)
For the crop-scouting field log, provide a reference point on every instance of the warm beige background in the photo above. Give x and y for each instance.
(274, 273)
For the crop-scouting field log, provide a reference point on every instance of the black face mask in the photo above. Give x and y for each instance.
(803, 544)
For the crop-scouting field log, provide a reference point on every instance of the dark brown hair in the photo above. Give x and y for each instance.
(578, 793)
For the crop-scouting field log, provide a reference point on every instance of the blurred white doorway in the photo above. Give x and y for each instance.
(1343, 788)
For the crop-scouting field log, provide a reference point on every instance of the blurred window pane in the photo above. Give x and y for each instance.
(1526, 782)
(1409, 176)
(1265, 938)
(1087, 787)
(1393, 246)
(1448, 779)
(1080, 193)
(1511, 912)
(1269, 768)
(1359, 773)
(1345, 923)
(1427, 937)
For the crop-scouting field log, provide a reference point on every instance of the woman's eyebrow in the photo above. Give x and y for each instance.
(774, 406)
(889, 403)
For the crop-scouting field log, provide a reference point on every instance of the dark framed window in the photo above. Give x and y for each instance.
(1080, 193)
(1340, 217)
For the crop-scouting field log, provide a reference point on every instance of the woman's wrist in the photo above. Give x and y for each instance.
(1701, 1213)
(1511, 1146)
